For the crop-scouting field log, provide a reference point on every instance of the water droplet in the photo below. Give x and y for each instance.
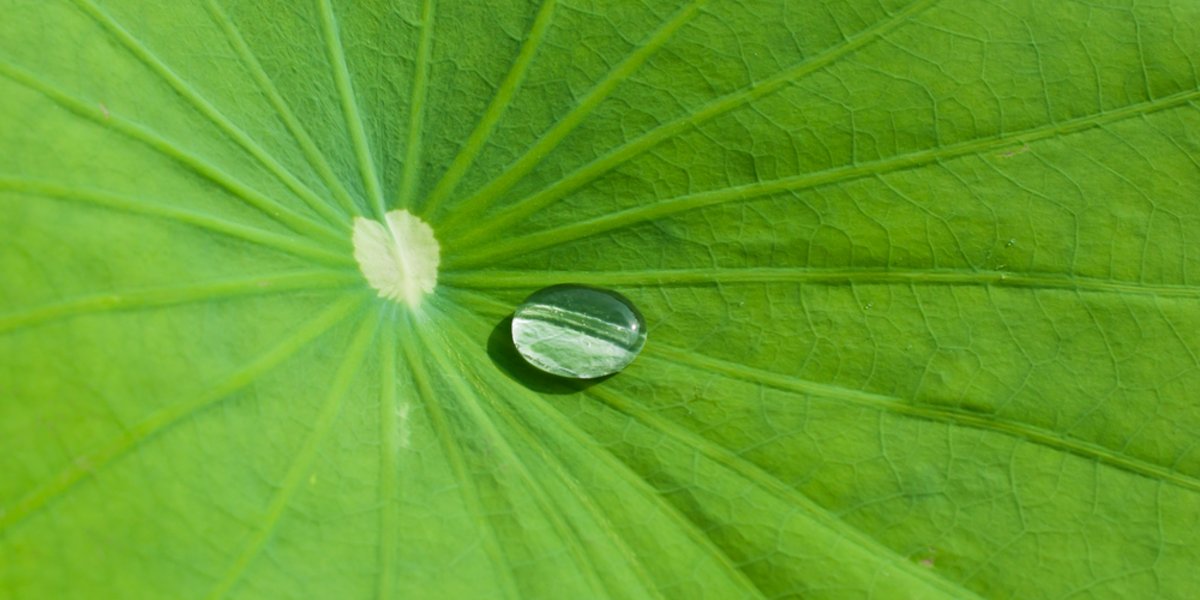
(578, 331)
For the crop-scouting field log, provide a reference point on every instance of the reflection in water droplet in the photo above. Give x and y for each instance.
(578, 331)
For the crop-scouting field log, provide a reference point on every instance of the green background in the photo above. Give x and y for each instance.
(920, 278)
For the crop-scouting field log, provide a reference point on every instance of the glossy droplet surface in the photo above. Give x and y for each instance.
(578, 331)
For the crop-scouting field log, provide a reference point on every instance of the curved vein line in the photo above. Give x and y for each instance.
(134, 437)
(886, 403)
(471, 207)
(314, 155)
(302, 462)
(298, 247)
(549, 509)
(719, 277)
(618, 467)
(185, 91)
(569, 482)
(133, 131)
(771, 484)
(626, 152)
(454, 455)
(615, 467)
(1030, 433)
(495, 110)
(389, 463)
(350, 109)
(416, 108)
(486, 304)
(126, 300)
(672, 206)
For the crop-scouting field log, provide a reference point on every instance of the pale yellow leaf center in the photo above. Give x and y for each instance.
(399, 257)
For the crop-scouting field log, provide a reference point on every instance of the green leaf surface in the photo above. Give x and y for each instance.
(920, 278)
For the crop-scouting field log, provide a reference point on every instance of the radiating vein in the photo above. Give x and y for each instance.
(493, 251)
(131, 130)
(568, 482)
(828, 525)
(389, 457)
(298, 246)
(417, 109)
(454, 454)
(626, 152)
(486, 279)
(479, 201)
(562, 473)
(495, 110)
(526, 439)
(302, 462)
(693, 360)
(350, 109)
(613, 464)
(992, 423)
(311, 153)
(143, 298)
(139, 434)
(551, 511)
(188, 93)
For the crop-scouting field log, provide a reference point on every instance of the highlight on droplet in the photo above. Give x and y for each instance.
(578, 331)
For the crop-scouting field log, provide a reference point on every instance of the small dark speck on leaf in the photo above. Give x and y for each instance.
(929, 558)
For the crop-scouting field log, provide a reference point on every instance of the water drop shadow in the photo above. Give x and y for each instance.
(505, 356)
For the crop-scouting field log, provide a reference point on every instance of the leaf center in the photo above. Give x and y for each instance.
(398, 257)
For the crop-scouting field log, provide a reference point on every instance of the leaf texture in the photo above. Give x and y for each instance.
(920, 278)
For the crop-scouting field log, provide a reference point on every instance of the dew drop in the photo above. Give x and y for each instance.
(578, 331)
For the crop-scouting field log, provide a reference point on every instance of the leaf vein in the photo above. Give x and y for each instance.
(210, 112)
(768, 275)
(772, 485)
(482, 199)
(495, 110)
(994, 424)
(313, 154)
(303, 460)
(416, 123)
(127, 300)
(617, 467)
(623, 154)
(138, 435)
(454, 452)
(389, 424)
(162, 210)
(293, 220)
(350, 109)
(672, 206)
(549, 509)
